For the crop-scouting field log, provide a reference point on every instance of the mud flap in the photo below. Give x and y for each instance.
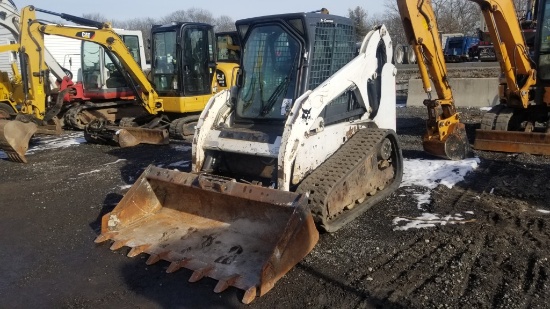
(14, 138)
(512, 141)
(242, 235)
(124, 137)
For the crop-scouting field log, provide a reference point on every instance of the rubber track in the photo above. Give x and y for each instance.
(503, 119)
(320, 182)
(489, 119)
(71, 117)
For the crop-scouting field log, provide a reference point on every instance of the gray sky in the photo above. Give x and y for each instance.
(123, 10)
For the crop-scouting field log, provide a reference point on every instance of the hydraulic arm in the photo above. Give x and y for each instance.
(521, 122)
(510, 49)
(36, 112)
(445, 136)
(103, 35)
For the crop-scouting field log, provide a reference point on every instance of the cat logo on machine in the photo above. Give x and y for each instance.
(86, 34)
(220, 76)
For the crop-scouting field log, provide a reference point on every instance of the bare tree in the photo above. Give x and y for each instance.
(224, 23)
(359, 17)
(98, 17)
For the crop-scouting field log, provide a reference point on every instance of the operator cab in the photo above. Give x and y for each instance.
(283, 56)
(183, 59)
(286, 55)
(101, 74)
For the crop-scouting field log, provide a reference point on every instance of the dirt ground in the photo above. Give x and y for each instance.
(50, 211)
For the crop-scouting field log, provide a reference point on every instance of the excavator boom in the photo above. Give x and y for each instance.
(445, 136)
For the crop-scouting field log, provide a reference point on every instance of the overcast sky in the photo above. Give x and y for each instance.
(124, 9)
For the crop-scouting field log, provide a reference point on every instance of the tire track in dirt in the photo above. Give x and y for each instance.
(495, 262)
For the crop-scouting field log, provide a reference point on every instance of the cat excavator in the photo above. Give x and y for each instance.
(184, 75)
(307, 136)
(36, 112)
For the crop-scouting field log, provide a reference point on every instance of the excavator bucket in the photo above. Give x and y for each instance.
(126, 136)
(454, 147)
(242, 235)
(14, 138)
(512, 141)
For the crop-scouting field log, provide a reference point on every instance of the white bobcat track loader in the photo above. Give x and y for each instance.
(308, 134)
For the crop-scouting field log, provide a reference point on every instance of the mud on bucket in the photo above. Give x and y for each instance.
(14, 138)
(242, 235)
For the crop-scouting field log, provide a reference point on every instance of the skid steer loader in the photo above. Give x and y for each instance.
(306, 136)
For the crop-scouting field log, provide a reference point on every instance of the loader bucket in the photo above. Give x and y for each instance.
(126, 136)
(242, 235)
(513, 141)
(14, 138)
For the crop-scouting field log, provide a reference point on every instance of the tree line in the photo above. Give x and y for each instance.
(144, 24)
(453, 16)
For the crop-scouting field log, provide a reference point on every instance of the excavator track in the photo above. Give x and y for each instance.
(73, 118)
(183, 128)
(488, 121)
(365, 170)
(497, 133)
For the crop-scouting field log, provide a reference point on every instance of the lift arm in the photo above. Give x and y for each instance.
(510, 49)
(445, 136)
(103, 34)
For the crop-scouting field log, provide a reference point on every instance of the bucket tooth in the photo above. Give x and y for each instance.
(104, 237)
(200, 273)
(175, 266)
(249, 295)
(138, 250)
(154, 258)
(223, 284)
(119, 244)
(214, 226)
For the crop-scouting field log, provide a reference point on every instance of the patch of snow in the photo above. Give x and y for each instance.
(486, 108)
(182, 147)
(469, 212)
(431, 173)
(53, 142)
(426, 220)
(543, 211)
(117, 161)
(40, 143)
(184, 163)
(125, 187)
(90, 172)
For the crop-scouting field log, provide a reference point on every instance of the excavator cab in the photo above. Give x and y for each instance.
(183, 64)
(306, 135)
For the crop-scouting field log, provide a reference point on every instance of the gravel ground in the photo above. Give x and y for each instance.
(498, 258)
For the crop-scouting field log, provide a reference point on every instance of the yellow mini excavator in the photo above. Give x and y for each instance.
(36, 112)
(183, 79)
(306, 136)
